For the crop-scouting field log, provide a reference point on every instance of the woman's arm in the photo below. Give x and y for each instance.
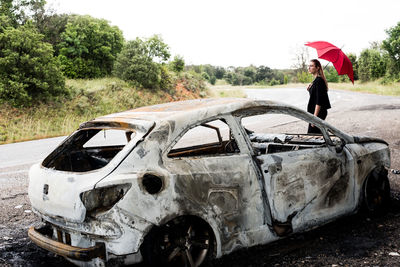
(317, 109)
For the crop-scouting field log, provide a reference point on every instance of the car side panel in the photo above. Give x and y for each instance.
(308, 187)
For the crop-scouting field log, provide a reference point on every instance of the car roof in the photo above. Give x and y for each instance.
(191, 111)
(200, 108)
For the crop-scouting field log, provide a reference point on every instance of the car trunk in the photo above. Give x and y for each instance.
(87, 156)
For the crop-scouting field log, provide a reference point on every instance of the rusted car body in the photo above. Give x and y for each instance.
(159, 199)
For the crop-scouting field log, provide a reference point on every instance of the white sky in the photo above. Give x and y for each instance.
(243, 32)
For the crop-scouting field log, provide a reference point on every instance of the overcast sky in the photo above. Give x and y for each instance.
(240, 33)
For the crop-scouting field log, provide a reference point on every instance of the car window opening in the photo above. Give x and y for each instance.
(206, 139)
(88, 149)
(268, 134)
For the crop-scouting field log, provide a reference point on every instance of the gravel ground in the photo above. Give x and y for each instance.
(356, 240)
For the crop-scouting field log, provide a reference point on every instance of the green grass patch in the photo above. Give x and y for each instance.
(226, 91)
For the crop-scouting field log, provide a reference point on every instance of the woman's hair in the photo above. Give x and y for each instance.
(320, 70)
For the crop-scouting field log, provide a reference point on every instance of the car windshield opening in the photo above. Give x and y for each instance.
(88, 149)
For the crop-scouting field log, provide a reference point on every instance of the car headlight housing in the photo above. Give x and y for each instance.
(101, 199)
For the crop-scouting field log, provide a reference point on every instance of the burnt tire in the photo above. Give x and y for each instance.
(183, 241)
(376, 193)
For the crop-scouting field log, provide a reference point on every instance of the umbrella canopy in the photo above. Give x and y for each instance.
(335, 55)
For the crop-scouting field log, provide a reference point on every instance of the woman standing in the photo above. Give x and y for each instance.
(318, 104)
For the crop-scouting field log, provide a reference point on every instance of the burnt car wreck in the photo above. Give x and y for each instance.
(184, 182)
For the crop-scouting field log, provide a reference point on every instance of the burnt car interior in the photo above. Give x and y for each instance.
(206, 139)
(88, 149)
(270, 137)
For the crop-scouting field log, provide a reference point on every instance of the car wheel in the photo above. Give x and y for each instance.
(377, 192)
(181, 242)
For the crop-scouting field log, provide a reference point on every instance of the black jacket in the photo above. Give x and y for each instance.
(318, 95)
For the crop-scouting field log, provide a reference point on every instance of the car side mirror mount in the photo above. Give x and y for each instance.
(339, 147)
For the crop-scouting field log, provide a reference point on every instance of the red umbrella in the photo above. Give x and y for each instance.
(335, 55)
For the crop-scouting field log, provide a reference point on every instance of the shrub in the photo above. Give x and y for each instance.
(178, 64)
(28, 70)
(141, 61)
(304, 77)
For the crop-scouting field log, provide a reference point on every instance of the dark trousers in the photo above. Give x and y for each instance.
(322, 115)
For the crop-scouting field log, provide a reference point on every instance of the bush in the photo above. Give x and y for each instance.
(304, 77)
(28, 70)
(178, 64)
(213, 79)
(285, 79)
(139, 60)
(205, 76)
(331, 75)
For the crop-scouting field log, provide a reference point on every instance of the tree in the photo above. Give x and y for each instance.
(27, 66)
(301, 59)
(250, 72)
(178, 64)
(219, 72)
(371, 65)
(392, 46)
(52, 26)
(141, 61)
(263, 73)
(19, 11)
(89, 47)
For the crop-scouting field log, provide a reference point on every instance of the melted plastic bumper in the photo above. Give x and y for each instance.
(43, 239)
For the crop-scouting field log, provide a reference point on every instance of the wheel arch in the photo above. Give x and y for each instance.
(208, 222)
(377, 171)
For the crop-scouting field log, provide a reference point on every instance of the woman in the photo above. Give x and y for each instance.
(318, 104)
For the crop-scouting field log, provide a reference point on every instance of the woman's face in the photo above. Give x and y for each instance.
(312, 68)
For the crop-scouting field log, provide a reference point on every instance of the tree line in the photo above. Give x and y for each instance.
(379, 61)
(259, 75)
(39, 49)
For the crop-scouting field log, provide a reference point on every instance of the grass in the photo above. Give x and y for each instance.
(226, 91)
(92, 98)
(375, 87)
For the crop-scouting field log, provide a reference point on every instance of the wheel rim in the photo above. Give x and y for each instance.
(182, 244)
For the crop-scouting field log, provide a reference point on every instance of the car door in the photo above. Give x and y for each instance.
(307, 180)
(215, 176)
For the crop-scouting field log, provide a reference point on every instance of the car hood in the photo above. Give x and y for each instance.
(367, 139)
